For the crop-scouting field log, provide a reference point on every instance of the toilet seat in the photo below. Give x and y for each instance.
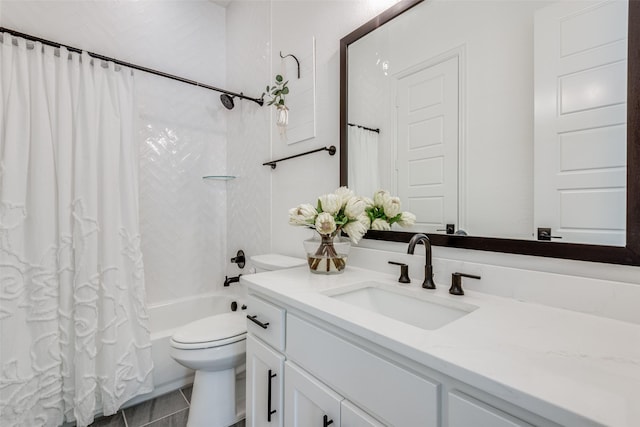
(213, 331)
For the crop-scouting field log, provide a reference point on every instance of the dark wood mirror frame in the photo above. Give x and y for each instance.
(627, 255)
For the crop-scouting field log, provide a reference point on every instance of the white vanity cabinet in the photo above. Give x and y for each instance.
(326, 377)
(308, 401)
(265, 368)
(465, 411)
(377, 385)
(312, 403)
(265, 364)
(352, 416)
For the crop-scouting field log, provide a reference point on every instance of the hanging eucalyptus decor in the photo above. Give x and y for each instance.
(277, 93)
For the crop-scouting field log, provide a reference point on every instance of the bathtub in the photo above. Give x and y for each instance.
(165, 319)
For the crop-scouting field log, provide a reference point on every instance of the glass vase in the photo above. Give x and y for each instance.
(282, 116)
(327, 254)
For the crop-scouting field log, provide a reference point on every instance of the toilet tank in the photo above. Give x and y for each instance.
(270, 262)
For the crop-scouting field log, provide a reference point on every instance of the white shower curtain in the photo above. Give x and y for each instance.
(74, 334)
(364, 178)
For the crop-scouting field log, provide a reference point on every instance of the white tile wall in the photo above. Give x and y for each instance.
(182, 128)
(249, 196)
(183, 217)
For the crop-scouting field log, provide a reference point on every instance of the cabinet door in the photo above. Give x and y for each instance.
(308, 402)
(352, 416)
(264, 384)
(465, 411)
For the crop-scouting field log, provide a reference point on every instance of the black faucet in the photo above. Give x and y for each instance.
(456, 282)
(230, 280)
(404, 272)
(428, 268)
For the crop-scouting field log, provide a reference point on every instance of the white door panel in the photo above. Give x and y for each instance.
(265, 369)
(427, 143)
(580, 120)
(308, 400)
(352, 416)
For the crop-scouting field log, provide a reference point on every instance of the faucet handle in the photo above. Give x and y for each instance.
(404, 272)
(239, 259)
(456, 282)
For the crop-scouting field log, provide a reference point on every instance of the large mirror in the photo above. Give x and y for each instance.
(504, 126)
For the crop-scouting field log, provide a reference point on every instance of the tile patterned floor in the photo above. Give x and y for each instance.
(169, 410)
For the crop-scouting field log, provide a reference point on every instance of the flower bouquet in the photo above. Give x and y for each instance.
(384, 211)
(333, 213)
(343, 211)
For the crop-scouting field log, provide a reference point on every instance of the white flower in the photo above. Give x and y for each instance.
(330, 203)
(407, 219)
(380, 197)
(355, 230)
(304, 214)
(391, 207)
(325, 224)
(367, 202)
(364, 219)
(354, 207)
(379, 224)
(344, 194)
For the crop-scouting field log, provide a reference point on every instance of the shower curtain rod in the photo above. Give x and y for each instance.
(29, 37)
(364, 127)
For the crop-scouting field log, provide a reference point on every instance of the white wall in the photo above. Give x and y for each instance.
(182, 129)
(248, 69)
(302, 180)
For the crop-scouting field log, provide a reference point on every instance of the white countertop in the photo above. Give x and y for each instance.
(552, 362)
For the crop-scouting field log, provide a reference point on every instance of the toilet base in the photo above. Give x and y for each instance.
(213, 402)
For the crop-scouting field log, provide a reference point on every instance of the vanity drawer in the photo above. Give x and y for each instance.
(465, 411)
(395, 395)
(266, 321)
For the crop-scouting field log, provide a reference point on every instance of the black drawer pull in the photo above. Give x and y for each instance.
(257, 322)
(269, 410)
(326, 421)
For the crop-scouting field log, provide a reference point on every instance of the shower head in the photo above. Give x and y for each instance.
(227, 101)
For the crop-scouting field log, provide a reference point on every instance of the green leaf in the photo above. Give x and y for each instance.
(285, 90)
(268, 88)
(281, 102)
(279, 78)
(395, 219)
(319, 207)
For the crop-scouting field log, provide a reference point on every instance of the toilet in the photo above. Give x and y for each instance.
(214, 347)
(270, 262)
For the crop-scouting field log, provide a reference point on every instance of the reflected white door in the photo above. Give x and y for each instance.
(427, 144)
(580, 121)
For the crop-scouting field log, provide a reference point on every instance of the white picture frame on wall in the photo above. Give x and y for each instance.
(301, 100)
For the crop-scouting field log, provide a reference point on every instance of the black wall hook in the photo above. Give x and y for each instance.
(294, 57)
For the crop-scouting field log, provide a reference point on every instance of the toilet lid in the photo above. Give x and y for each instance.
(276, 261)
(221, 329)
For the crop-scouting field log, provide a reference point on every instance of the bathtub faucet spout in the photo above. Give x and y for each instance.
(230, 280)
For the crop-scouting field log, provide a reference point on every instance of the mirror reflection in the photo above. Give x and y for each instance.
(503, 119)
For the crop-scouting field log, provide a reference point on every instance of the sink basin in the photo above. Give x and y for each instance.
(426, 312)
